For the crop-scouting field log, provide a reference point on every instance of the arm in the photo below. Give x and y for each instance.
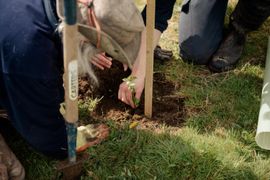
(138, 71)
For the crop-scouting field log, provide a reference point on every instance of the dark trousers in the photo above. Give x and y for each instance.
(31, 86)
(201, 25)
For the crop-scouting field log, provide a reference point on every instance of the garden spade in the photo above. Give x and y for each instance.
(70, 169)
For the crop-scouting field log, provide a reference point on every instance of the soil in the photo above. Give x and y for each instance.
(168, 107)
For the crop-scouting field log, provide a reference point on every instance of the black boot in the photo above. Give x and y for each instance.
(162, 55)
(247, 16)
(229, 51)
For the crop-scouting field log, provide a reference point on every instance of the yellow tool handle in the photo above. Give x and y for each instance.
(71, 72)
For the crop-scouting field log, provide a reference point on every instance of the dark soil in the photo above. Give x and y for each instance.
(168, 107)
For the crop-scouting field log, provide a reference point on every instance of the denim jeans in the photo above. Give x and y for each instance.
(201, 25)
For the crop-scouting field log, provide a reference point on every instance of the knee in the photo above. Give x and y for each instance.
(52, 143)
(191, 57)
(57, 152)
(196, 54)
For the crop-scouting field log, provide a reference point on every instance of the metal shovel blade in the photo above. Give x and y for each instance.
(71, 171)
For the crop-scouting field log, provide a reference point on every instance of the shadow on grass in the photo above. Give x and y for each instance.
(256, 46)
(139, 154)
(233, 103)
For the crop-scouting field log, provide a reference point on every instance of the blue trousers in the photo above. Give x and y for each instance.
(201, 25)
(200, 29)
(31, 86)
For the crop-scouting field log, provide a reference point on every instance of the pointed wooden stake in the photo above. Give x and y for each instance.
(150, 25)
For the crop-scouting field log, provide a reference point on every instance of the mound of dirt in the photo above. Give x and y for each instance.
(168, 107)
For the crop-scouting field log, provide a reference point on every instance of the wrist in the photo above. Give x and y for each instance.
(138, 72)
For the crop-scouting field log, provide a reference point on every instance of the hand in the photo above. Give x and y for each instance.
(102, 61)
(126, 94)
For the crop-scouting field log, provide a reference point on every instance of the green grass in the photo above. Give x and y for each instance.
(215, 142)
(184, 154)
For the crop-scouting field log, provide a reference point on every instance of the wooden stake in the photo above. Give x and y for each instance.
(150, 25)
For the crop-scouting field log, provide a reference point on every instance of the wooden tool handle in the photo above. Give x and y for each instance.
(70, 62)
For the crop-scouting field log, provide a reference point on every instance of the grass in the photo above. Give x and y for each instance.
(215, 142)
(185, 154)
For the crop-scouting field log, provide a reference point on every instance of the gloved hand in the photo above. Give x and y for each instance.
(13, 166)
(162, 54)
(91, 135)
